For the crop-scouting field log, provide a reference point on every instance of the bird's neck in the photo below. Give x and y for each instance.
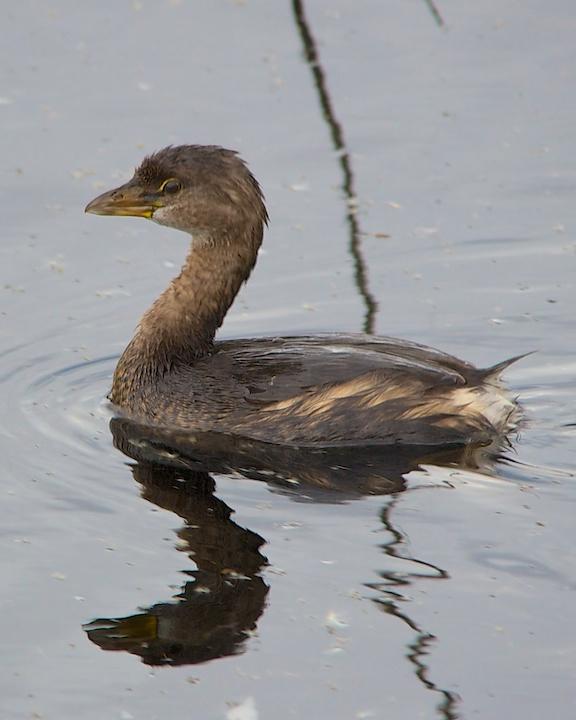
(180, 326)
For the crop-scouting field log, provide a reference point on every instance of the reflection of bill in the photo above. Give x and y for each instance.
(218, 608)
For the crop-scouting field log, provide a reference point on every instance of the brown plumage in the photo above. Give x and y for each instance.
(328, 390)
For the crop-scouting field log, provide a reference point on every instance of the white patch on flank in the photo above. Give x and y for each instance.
(489, 400)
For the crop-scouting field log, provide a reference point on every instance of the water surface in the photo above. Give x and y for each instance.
(420, 185)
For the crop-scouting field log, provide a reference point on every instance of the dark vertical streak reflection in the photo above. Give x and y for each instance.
(337, 135)
(435, 12)
(391, 598)
(390, 603)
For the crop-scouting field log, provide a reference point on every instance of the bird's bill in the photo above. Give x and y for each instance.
(128, 199)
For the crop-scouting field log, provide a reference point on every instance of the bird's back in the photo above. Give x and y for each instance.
(332, 390)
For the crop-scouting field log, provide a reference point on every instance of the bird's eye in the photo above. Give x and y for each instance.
(170, 186)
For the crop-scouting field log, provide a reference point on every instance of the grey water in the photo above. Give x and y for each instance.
(418, 163)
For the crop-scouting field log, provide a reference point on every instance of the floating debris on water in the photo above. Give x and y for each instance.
(334, 622)
(246, 710)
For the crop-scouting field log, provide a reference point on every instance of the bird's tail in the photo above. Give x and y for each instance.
(495, 371)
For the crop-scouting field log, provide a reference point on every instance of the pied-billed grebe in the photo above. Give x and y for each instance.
(308, 391)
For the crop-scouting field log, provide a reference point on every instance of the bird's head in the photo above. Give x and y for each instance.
(200, 189)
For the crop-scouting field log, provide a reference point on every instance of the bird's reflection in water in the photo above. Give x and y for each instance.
(219, 607)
